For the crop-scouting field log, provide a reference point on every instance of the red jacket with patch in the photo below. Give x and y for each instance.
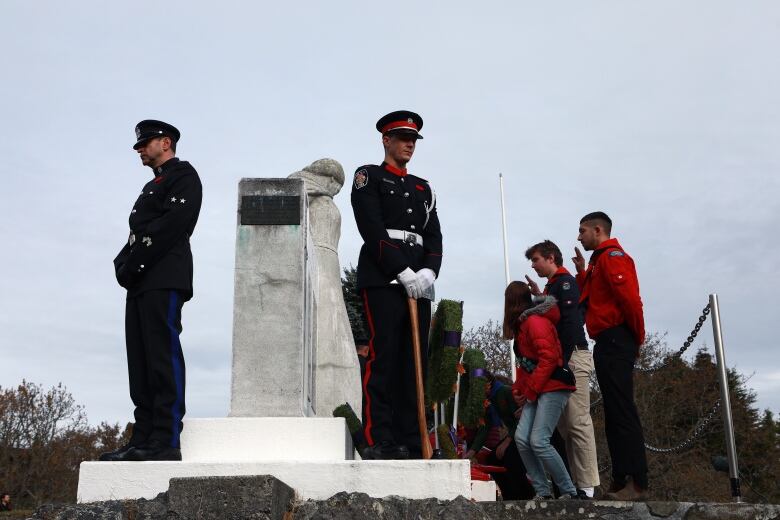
(537, 339)
(610, 291)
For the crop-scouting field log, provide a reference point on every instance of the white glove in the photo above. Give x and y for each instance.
(408, 279)
(425, 277)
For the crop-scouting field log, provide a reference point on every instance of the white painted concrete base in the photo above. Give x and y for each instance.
(443, 479)
(483, 490)
(245, 439)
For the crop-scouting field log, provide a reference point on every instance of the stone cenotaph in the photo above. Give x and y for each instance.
(294, 361)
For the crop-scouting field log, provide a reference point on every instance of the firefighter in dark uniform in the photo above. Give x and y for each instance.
(615, 319)
(400, 258)
(155, 266)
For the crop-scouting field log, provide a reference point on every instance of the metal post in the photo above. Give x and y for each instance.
(512, 370)
(728, 424)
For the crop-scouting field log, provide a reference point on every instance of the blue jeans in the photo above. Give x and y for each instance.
(532, 437)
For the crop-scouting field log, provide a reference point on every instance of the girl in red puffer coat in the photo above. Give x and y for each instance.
(542, 387)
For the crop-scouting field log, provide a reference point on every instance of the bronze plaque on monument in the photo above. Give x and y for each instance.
(270, 210)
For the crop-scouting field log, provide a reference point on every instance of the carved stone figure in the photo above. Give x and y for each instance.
(338, 371)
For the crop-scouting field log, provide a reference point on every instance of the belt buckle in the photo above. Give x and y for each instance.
(410, 238)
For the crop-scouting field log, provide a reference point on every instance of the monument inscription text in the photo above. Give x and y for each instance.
(270, 210)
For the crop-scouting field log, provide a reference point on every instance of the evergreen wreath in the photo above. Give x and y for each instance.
(472, 389)
(444, 351)
(448, 449)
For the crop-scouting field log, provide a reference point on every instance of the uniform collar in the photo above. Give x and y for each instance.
(561, 271)
(166, 166)
(161, 170)
(401, 172)
(612, 242)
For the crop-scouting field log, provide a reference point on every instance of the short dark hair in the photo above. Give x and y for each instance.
(546, 248)
(600, 218)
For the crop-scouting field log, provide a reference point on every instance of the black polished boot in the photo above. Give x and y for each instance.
(153, 451)
(118, 454)
(386, 450)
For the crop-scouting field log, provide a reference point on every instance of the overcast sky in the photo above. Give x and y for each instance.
(664, 114)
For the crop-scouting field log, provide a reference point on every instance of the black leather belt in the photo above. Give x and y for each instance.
(581, 347)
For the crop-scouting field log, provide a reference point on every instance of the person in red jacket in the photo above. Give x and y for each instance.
(542, 387)
(609, 293)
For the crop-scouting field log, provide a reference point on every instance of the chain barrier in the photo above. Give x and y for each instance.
(701, 426)
(686, 344)
(697, 432)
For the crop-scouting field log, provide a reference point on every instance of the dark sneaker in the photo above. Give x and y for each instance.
(153, 451)
(541, 498)
(574, 496)
(581, 495)
(117, 455)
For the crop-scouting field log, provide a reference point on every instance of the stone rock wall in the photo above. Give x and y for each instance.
(265, 497)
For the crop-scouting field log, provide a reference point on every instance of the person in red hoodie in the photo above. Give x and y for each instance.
(542, 387)
(609, 293)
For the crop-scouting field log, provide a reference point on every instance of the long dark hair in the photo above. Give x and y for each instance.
(517, 298)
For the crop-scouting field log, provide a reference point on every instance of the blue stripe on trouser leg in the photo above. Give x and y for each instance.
(177, 363)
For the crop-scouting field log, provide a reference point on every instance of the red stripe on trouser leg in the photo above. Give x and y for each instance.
(367, 375)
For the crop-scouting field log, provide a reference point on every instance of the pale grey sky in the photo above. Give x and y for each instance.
(664, 114)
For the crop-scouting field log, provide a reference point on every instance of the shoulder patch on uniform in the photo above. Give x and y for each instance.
(566, 286)
(616, 252)
(361, 178)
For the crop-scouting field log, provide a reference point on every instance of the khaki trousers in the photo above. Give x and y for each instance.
(576, 426)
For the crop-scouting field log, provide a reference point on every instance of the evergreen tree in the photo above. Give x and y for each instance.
(354, 304)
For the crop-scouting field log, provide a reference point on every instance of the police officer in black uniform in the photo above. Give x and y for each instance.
(155, 266)
(401, 256)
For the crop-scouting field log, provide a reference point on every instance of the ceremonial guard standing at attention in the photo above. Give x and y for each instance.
(155, 266)
(400, 258)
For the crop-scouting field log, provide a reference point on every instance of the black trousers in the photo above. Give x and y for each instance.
(155, 365)
(389, 392)
(613, 358)
(514, 483)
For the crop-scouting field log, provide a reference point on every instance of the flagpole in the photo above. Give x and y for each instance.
(506, 264)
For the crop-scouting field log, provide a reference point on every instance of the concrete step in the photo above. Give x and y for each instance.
(483, 490)
(248, 439)
(315, 480)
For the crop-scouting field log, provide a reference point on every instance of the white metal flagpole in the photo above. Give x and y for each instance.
(457, 396)
(506, 264)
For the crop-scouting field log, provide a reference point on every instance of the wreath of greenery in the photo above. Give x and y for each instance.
(448, 450)
(472, 389)
(354, 425)
(443, 359)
